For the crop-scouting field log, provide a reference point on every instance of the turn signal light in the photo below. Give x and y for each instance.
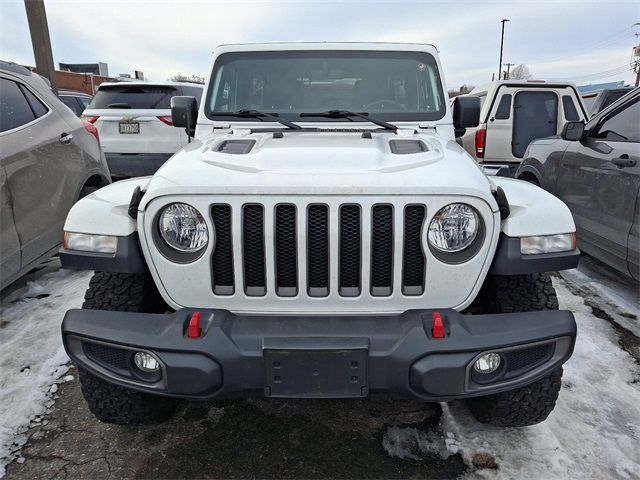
(90, 118)
(481, 140)
(166, 120)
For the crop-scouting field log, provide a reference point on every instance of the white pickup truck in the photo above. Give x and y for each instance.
(321, 236)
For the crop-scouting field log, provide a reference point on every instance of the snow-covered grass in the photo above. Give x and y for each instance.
(32, 359)
(594, 431)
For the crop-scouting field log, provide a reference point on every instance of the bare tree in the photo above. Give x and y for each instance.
(460, 91)
(520, 72)
(178, 77)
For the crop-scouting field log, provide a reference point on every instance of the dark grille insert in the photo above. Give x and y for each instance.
(318, 250)
(286, 251)
(350, 250)
(253, 250)
(382, 250)
(527, 358)
(110, 357)
(413, 261)
(222, 258)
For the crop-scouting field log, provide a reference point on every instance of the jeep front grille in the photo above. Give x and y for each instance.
(293, 225)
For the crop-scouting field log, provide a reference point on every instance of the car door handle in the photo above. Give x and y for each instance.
(624, 161)
(66, 138)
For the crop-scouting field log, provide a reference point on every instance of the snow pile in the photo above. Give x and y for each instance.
(32, 358)
(594, 430)
(413, 444)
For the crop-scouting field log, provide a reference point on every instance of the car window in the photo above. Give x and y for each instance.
(622, 126)
(133, 96)
(72, 103)
(39, 109)
(612, 97)
(84, 101)
(14, 108)
(504, 108)
(570, 112)
(193, 92)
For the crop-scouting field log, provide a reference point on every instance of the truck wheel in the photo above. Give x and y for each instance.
(112, 403)
(532, 403)
(517, 293)
(521, 407)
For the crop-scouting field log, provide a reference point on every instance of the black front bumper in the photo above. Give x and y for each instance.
(319, 356)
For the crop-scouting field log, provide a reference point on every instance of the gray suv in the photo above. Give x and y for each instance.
(49, 159)
(595, 170)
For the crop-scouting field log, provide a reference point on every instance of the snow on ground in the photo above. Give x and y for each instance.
(594, 431)
(32, 358)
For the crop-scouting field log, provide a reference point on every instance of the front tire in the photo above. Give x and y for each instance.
(532, 403)
(112, 403)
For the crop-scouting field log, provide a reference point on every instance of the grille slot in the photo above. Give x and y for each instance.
(350, 250)
(286, 251)
(382, 250)
(318, 250)
(253, 253)
(413, 261)
(222, 258)
(115, 358)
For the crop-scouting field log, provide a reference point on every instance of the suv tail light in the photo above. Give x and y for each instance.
(481, 140)
(166, 120)
(90, 127)
(90, 118)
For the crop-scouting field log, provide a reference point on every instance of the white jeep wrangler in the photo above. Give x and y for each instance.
(322, 236)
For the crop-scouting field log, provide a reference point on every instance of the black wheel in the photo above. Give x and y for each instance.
(532, 403)
(521, 407)
(112, 403)
(517, 293)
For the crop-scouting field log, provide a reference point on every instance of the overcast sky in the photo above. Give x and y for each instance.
(586, 42)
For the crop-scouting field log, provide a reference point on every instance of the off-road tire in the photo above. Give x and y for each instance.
(112, 403)
(532, 403)
(517, 293)
(522, 407)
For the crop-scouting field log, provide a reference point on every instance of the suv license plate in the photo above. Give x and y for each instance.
(129, 127)
(316, 373)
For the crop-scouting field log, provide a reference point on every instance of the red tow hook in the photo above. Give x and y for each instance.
(194, 330)
(437, 331)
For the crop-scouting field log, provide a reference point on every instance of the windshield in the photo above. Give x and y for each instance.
(133, 96)
(390, 85)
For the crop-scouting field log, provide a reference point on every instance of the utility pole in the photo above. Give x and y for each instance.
(39, 30)
(508, 65)
(636, 56)
(503, 21)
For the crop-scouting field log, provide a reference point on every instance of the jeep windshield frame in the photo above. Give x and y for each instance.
(393, 86)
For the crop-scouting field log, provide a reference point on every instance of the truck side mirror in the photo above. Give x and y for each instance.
(466, 113)
(573, 131)
(184, 114)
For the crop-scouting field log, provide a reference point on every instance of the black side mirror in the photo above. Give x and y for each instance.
(573, 131)
(184, 114)
(466, 114)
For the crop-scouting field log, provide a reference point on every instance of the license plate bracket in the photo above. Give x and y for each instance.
(330, 373)
(127, 128)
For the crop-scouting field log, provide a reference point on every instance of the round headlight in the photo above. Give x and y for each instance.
(183, 228)
(453, 228)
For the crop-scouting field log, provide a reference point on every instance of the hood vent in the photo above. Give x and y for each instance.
(404, 147)
(236, 147)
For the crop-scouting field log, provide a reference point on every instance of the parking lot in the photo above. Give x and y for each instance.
(592, 433)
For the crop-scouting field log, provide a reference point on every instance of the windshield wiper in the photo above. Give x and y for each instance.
(257, 114)
(119, 105)
(347, 114)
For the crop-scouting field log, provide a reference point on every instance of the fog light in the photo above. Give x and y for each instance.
(146, 362)
(487, 363)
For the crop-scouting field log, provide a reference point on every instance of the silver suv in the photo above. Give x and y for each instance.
(49, 159)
